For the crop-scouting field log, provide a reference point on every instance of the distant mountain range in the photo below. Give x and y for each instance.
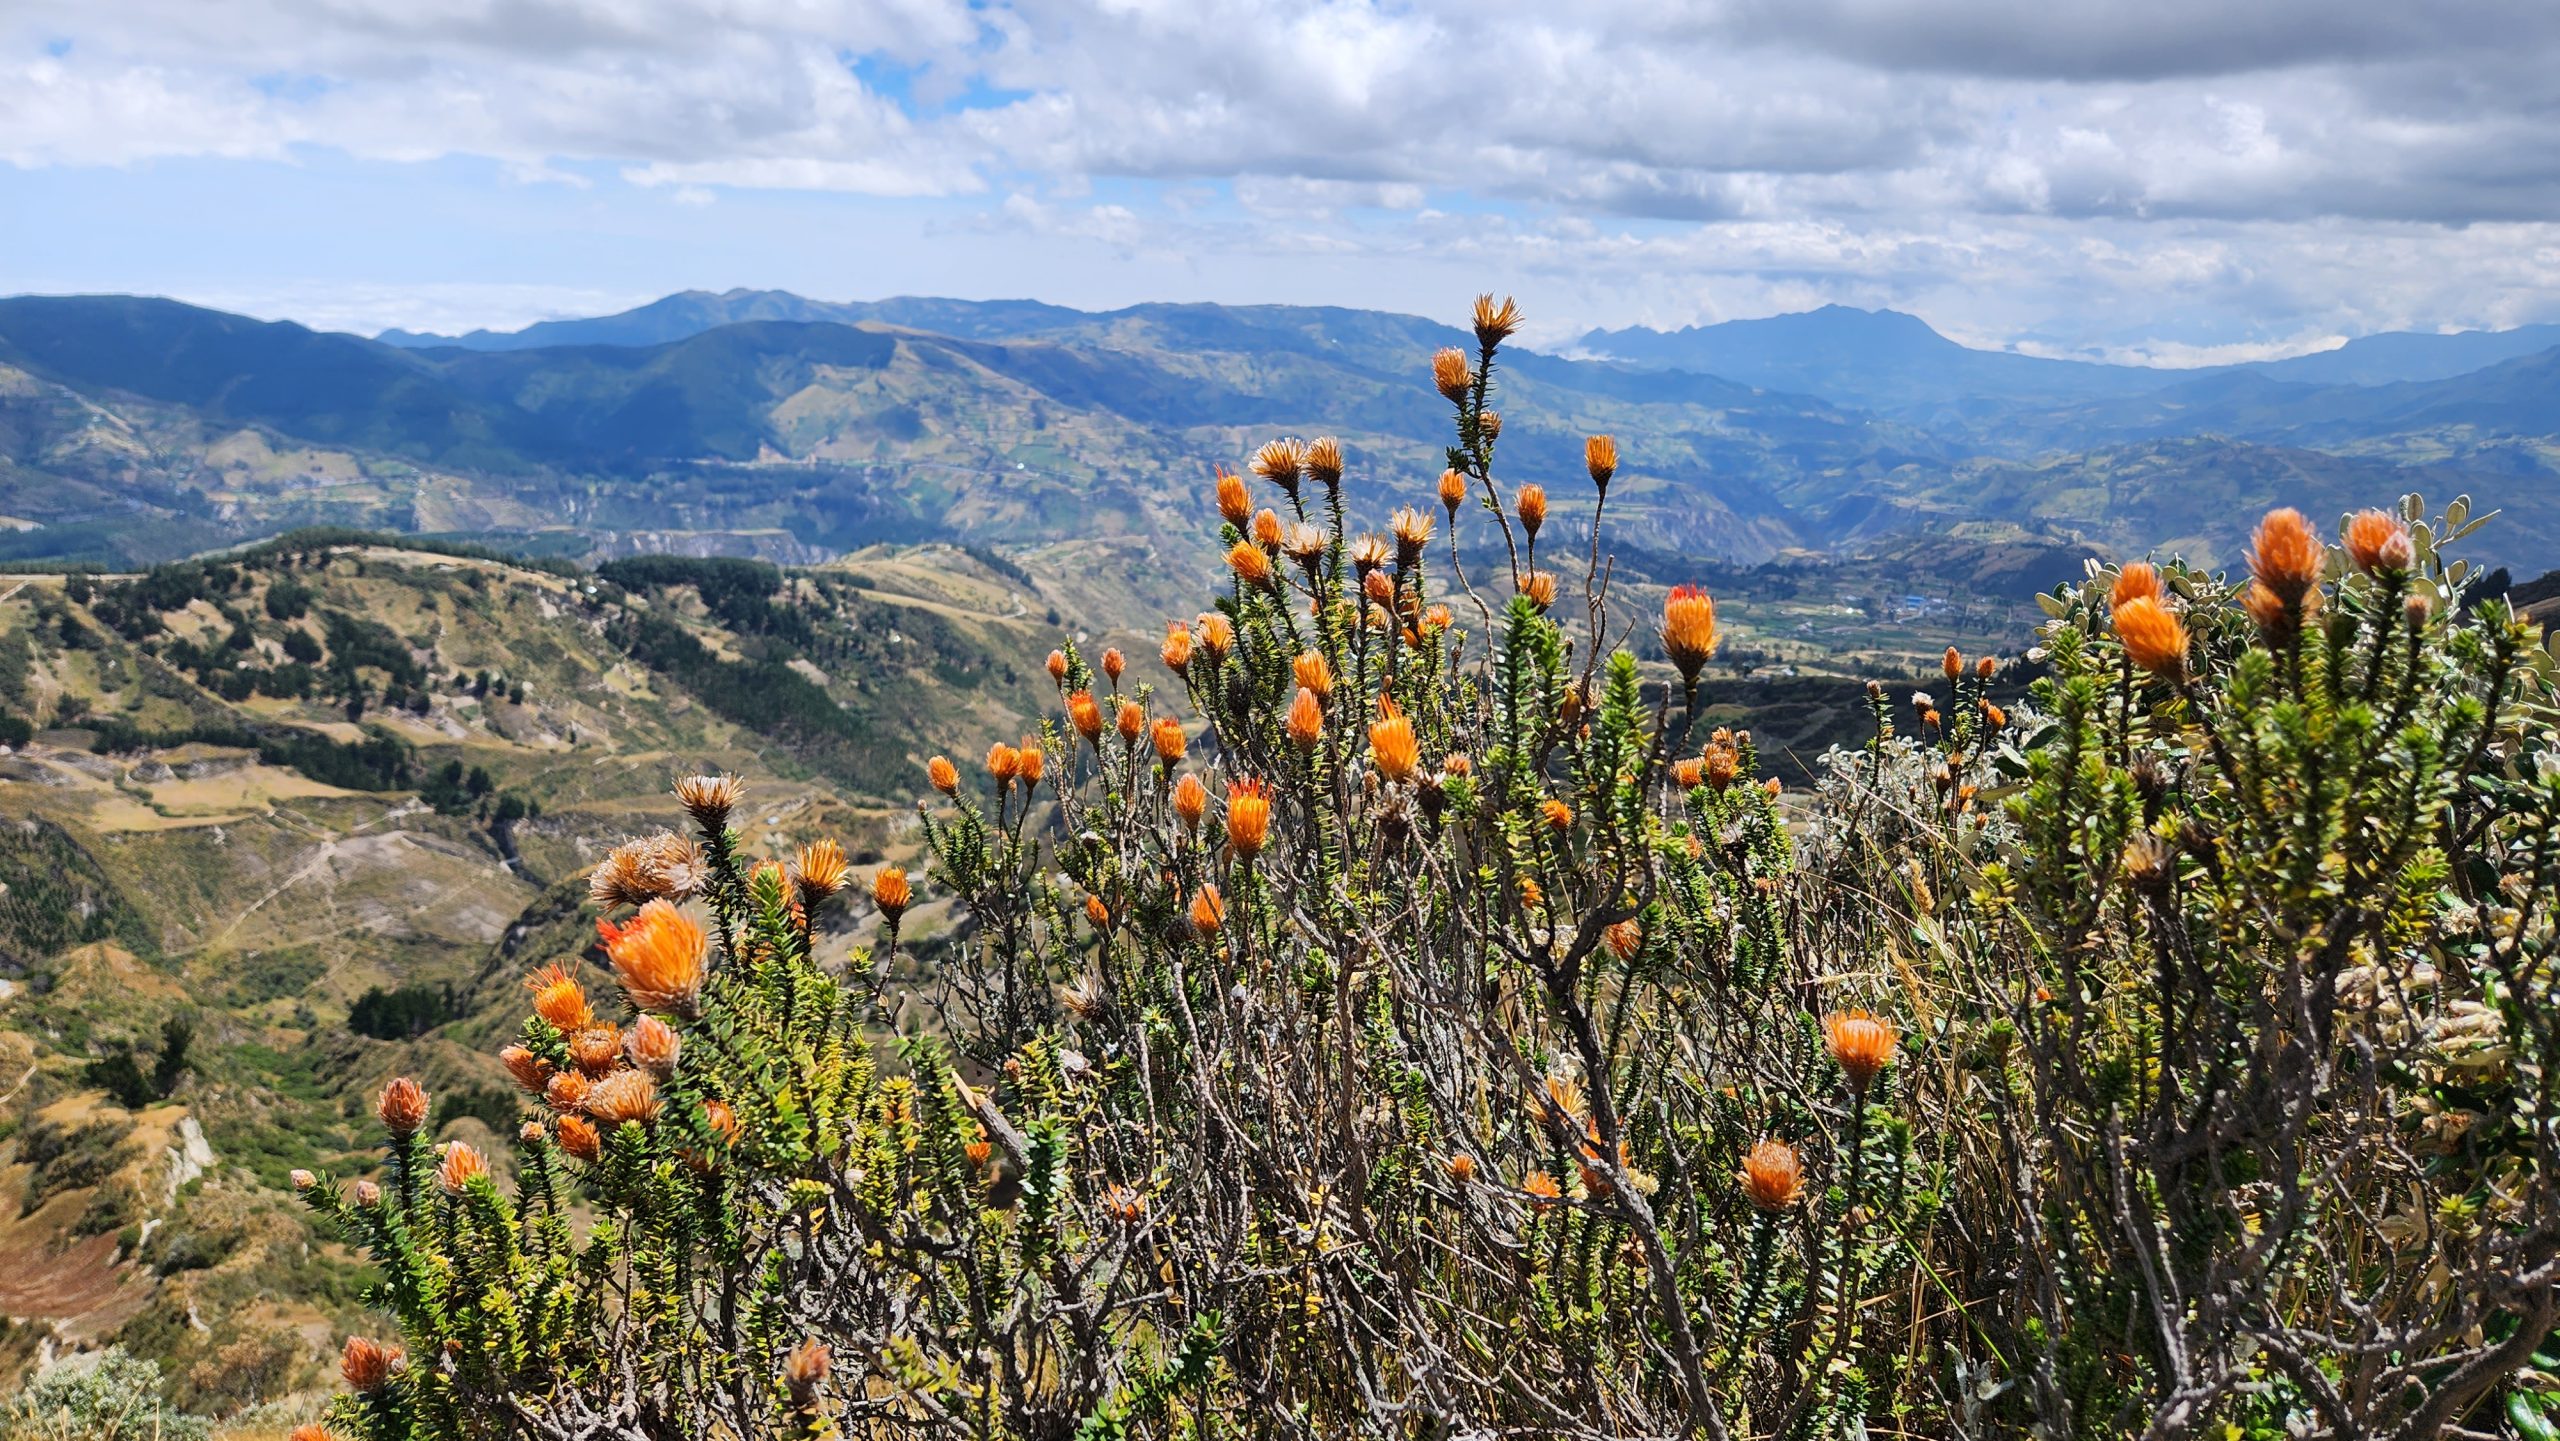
(763, 421)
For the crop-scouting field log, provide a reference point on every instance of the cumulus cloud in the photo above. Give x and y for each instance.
(2309, 167)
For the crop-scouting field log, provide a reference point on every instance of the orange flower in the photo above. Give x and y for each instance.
(529, 1070)
(1687, 773)
(1460, 1166)
(979, 1152)
(1531, 506)
(1532, 895)
(566, 1091)
(368, 1365)
(1085, 714)
(889, 891)
(1540, 587)
(1495, 323)
(1453, 489)
(1249, 563)
(1323, 458)
(1208, 911)
(1217, 633)
(805, 1369)
(1983, 667)
(623, 1096)
(653, 1046)
(1557, 814)
(557, 996)
(1279, 462)
(1451, 373)
(1953, 664)
(1542, 1189)
(1190, 800)
(1266, 529)
(461, 1166)
(1248, 816)
(1625, 938)
(658, 958)
(402, 1107)
(1861, 1043)
(596, 1050)
(310, 1431)
(1113, 662)
(1437, 617)
(724, 1121)
(1095, 912)
(1177, 647)
(1124, 1205)
(1003, 763)
(1412, 530)
(944, 775)
(1233, 502)
(1723, 763)
(2377, 540)
(2154, 639)
(709, 798)
(1169, 740)
(1772, 1176)
(1029, 762)
(2137, 581)
(820, 870)
(1131, 721)
(2285, 555)
(1058, 666)
(1391, 743)
(1489, 425)
(1305, 721)
(1994, 717)
(579, 1138)
(1313, 673)
(1689, 629)
(1600, 457)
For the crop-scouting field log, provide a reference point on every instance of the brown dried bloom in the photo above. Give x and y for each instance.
(709, 798)
(1323, 459)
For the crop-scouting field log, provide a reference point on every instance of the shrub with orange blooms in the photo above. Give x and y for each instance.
(2167, 1052)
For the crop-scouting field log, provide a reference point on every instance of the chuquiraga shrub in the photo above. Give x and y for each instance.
(1407, 1026)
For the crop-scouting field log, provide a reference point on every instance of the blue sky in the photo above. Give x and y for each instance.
(2179, 181)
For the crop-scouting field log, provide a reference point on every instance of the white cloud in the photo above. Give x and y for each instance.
(2178, 173)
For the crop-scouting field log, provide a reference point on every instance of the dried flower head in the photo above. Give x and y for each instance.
(1392, 745)
(1169, 740)
(658, 959)
(1530, 504)
(1370, 552)
(2154, 639)
(890, 892)
(1451, 373)
(459, 1166)
(1124, 1205)
(805, 1370)
(1412, 529)
(1190, 800)
(1495, 323)
(944, 775)
(1248, 816)
(2379, 540)
(709, 799)
(653, 1046)
(1304, 543)
(1453, 489)
(368, 1193)
(1689, 629)
(2285, 555)
(1600, 457)
(623, 1096)
(402, 1106)
(367, 1364)
(1861, 1043)
(302, 1180)
(1323, 460)
(664, 866)
(1281, 462)
(1772, 1176)
(1234, 502)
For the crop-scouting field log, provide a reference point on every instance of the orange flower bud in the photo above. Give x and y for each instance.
(1862, 1044)
(1558, 815)
(1208, 911)
(1177, 647)
(1531, 506)
(1625, 939)
(1169, 740)
(1030, 762)
(1131, 721)
(1391, 743)
(659, 959)
(460, 1166)
(1451, 373)
(368, 1365)
(1003, 762)
(943, 774)
(890, 892)
(559, 999)
(1248, 816)
(1600, 457)
(2285, 556)
(653, 1046)
(2378, 540)
(1542, 1188)
(1085, 714)
(1113, 662)
(1058, 666)
(1267, 530)
(402, 1107)
(1453, 489)
(1689, 629)
(1096, 912)
(1190, 800)
(579, 1137)
(1217, 633)
(1772, 1176)
(2139, 580)
(1540, 587)
(1953, 664)
(1313, 673)
(2154, 639)
(1250, 564)
(1233, 502)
